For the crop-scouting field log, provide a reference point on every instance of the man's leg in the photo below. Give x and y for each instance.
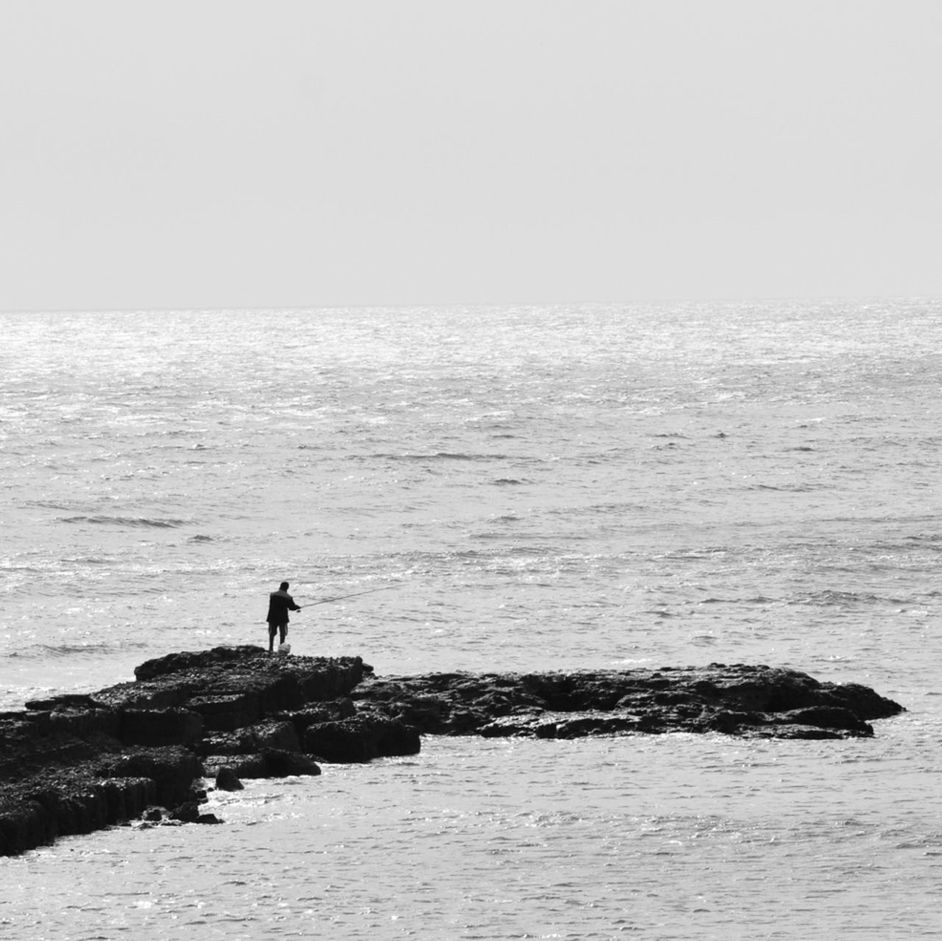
(284, 632)
(272, 629)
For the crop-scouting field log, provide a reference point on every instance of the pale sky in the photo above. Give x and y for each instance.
(225, 153)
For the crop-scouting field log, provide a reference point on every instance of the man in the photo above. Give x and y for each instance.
(279, 604)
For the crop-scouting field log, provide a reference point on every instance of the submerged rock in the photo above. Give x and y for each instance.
(76, 763)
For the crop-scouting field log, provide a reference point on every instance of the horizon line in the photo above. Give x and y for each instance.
(477, 304)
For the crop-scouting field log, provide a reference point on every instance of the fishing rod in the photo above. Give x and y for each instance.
(355, 594)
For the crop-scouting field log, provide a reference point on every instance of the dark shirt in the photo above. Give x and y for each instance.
(279, 604)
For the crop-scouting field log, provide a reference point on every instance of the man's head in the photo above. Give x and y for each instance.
(283, 586)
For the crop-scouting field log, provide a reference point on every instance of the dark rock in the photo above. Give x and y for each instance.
(208, 818)
(63, 701)
(160, 727)
(186, 813)
(265, 734)
(727, 721)
(173, 770)
(126, 798)
(23, 825)
(835, 718)
(597, 725)
(194, 660)
(524, 724)
(314, 678)
(242, 766)
(75, 763)
(282, 764)
(80, 723)
(802, 732)
(225, 712)
(228, 780)
(360, 738)
(863, 701)
(737, 699)
(301, 719)
(271, 763)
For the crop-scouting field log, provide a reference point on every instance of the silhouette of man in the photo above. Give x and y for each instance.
(279, 604)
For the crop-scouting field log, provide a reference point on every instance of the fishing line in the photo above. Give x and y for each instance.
(355, 594)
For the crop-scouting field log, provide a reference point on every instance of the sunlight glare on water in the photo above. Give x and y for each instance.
(556, 488)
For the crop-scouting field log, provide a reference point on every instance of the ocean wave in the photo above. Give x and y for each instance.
(441, 456)
(786, 488)
(46, 651)
(143, 521)
(758, 599)
(841, 598)
(605, 508)
(931, 539)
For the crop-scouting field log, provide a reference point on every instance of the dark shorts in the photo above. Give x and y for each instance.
(281, 629)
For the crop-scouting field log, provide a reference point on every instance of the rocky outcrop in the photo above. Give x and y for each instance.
(743, 700)
(75, 763)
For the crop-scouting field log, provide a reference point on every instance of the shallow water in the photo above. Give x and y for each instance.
(533, 489)
(668, 837)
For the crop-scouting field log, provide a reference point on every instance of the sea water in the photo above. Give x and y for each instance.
(509, 488)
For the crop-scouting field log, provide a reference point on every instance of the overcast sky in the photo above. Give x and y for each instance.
(305, 153)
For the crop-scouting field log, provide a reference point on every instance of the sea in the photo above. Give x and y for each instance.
(508, 488)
